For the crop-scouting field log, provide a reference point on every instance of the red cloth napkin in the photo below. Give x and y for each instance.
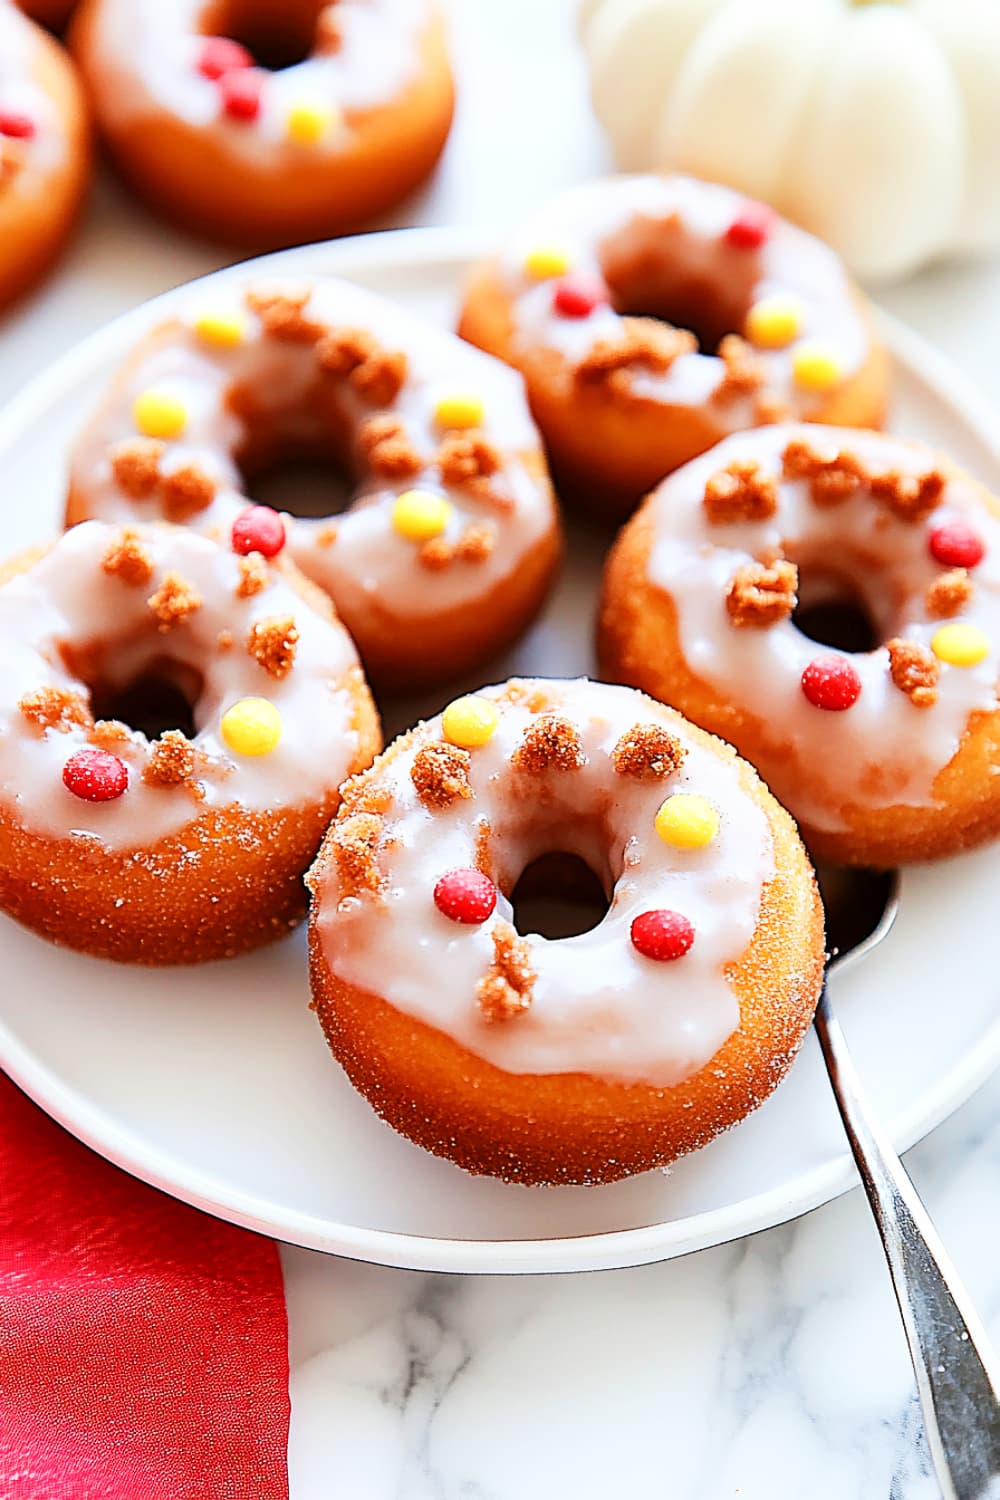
(143, 1345)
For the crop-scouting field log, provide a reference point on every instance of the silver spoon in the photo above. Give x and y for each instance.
(957, 1373)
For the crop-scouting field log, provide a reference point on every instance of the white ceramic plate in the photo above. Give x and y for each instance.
(215, 1085)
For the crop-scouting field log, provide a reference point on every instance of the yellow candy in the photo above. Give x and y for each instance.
(459, 410)
(815, 367)
(157, 414)
(470, 722)
(960, 645)
(546, 261)
(305, 124)
(774, 321)
(223, 330)
(687, 821)
(251, 727)
(420, 515)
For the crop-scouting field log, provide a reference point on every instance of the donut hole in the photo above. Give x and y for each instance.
(157, 694)
(558, 895)
(833, 612)
(277, 33)
(657, 269)
(310, 486)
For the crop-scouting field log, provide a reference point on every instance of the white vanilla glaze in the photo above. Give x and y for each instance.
(883, 751)
(21, 93)
(67, 599)
(598, 1007)
(145, 61)
(585, 221)
(367, 565)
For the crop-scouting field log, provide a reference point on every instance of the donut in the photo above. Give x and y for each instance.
(52, 14)
(44, 151)
(175, 720)
(567, 1060)
(449, 544)
(652, 316)
(886, 749)
(327, 116)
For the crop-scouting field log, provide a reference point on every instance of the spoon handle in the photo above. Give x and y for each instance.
(956, 1370)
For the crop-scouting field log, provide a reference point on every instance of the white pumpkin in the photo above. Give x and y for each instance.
(875, 125)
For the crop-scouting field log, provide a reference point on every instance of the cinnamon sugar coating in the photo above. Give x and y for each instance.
(56, 708)
(272, 643)
(171, 761)
(759, 596)
(440, 774)
(740, 492)
(915, 671)
(129, 559)
(135, 466)
(186, 492)
(551, 742)
(173, 601)
(253, 575)
(647, 752)
(355, 841)
(506, 990)
(949, 593)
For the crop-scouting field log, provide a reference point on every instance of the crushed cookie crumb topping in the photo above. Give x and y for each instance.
(833, 477)
(551, 742)
(740, 492)
(476, 543)
(949, 594)
(377, 374)
(171, 761)
(355, 841)
(647, 752)
(272, 642)
(910, 497)
(915, 671)
(56, 708)
(440, 774)
(135, 466)
(173, 602)
(254, 576)
(464, 456)
(742, 373)
(129, 559)
(283, 316)
(388, 449)
(760, 596)
(642, 344)
(506, 990)
(186, 492)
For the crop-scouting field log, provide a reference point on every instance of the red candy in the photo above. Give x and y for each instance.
(258, 529)
(240, 93)
(751, 228)
(95, 775)
(955, 545)
(662, 935)
(465, 896)
(577, 296)
(219, 55)
(12, 123)
(831, 682)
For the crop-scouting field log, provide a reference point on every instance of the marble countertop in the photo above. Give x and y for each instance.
(770, 1369)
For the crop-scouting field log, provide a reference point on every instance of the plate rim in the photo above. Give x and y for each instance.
(610, 1249)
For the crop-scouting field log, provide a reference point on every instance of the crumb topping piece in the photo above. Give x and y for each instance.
(109, 732)
(642, 344)
(129, 559)
(506, 989)
(759, 596)
(283, 316)
(914, 671)
(440, 774)
(171, 761)
(173, 602)
(910, 497)
(272, 642)
(377, 374)
(742, 372)
(355, 841)
(186, 492)
(254, 576)
(833, 476)
(388, 448)
(56, 708)
(948, 594)
(740, 492)
(466, 456)
(647, 752)
(135, 466)
(551, 742)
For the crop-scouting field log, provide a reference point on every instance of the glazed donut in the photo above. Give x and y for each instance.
(44, 151)
(313, 148)
(581, 1059)
(651, 316)
(172, 847)
(883, 754)
(448, 548)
